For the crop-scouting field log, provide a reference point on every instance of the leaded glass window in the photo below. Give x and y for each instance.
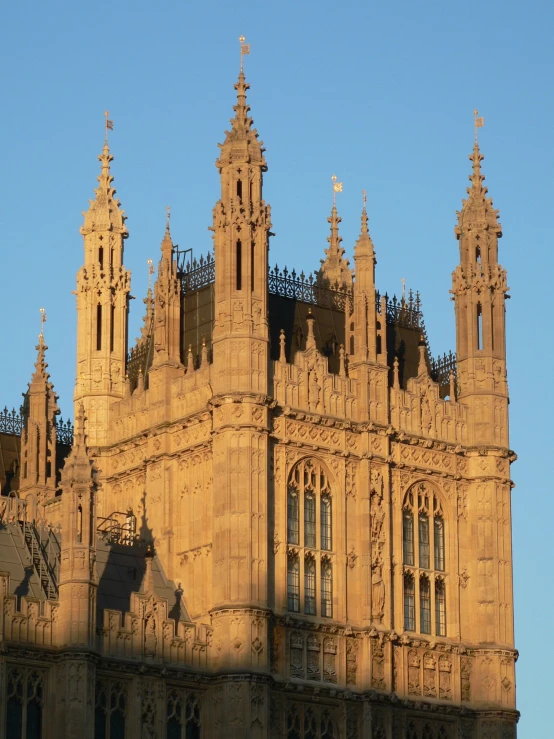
(183, 715)
(293, 584)
(310, 539)
(409, 603)
(326, 522)
(439, 543)
(425, 605)
(292, 518)
(309, 519)
(424, 541)
(424, 552)
(110, 709)
(408, 537)
(24, 703)
(326, 589)
(440, 608)
(309, 585)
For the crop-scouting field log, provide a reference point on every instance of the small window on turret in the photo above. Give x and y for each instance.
(98, 328)
(479, 327)
(101, 257)
(239, 189)
(478, 255)
(239, 265)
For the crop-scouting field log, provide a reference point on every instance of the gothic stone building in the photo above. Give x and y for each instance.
(278, 516)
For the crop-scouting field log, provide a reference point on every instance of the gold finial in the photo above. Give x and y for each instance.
(167, 215)
(150, 273)
(337, 187)
(42, 322)
(244, 49)
(108, 126)
(478, 123)
(364, 198)
(403, 289)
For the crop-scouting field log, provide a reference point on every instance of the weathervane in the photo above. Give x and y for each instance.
(244, 49)
(42, 322)
(108, 126)
(337, 187)
(478, 122)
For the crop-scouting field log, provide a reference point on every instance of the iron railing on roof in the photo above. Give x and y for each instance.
(402, 312)
(12, 422)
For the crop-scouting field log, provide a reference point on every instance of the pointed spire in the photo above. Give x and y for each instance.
(477, 210)
(104, 213)
(241, 141)
(364, 245)
(335, 269)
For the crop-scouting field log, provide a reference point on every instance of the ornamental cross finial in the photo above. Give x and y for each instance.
(150, 273)
(244, 49)
(167, 215)
(337, 187)
(108, 126)
(42, 322)
(364, 198)
(478, 123)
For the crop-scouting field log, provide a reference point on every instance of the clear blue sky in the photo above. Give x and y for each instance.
(382, 94)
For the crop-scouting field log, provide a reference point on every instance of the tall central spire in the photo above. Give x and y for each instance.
(241, 141)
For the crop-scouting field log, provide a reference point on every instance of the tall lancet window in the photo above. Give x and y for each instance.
(425, 561)
(293, 582)
(310, 539)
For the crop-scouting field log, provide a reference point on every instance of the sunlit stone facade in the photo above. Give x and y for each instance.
(280, 518)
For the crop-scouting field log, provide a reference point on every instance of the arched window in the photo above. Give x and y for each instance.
(310, 531)
(408, 536)
(110, 709)
(24, 705)
(305, 721)
(424, 553)
(183, 715)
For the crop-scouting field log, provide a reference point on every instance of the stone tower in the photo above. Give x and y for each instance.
(240, 369)
(38, 442)
(103, 286)
(479, 288)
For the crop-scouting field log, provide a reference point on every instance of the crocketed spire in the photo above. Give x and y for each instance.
(104, 213)
(477, 210)
(78, 468)
(334, 268)
(241, 141)
(364, 244)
